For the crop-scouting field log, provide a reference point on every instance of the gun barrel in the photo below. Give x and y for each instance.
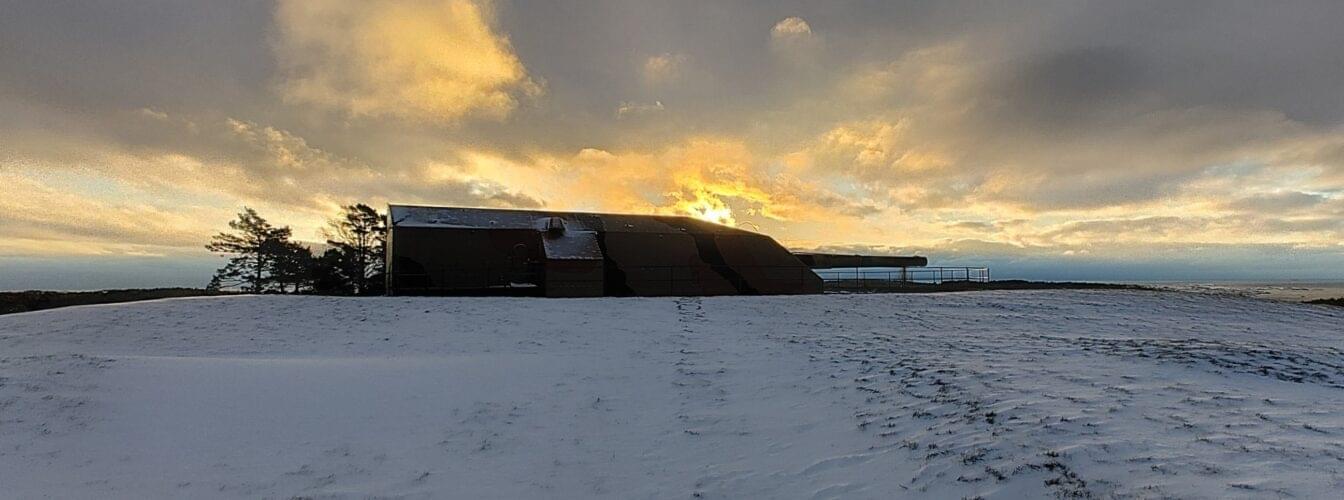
(832, 260)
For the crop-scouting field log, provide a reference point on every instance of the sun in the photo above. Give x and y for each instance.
(710, 210)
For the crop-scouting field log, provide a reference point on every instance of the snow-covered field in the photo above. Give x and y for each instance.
(994, 394)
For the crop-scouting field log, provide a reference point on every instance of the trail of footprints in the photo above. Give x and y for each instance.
(697, 369)
(46, 395)
(960, 406)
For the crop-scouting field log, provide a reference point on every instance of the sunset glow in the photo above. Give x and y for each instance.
(709, 209)
(935, 128)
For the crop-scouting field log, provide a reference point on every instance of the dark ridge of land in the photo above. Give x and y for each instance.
(1338, 301)
(35, 300)
(854, 286)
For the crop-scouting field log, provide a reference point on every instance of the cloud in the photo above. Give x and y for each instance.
(876, 150)
(973, 226)
(792, 40)
(292, 172)
(1062, 88)
(638, 108)
(663, 68)
(1288, 201)
(419, 60)
(206, 168)
(945, 128)
(791, 28)
(936, 75)
(57, 215)
(713, 178)
(153, 114)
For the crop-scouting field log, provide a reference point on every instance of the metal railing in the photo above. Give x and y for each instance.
(864, 279)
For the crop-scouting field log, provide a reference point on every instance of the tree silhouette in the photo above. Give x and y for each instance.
(359, 235)
(291, 265)
(215, 285)
(329, 273)
(256, 248)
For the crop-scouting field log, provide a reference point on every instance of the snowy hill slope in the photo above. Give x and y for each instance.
(994, 394)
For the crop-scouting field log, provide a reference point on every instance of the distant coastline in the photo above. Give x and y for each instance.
(36, 300)
(1284, 290)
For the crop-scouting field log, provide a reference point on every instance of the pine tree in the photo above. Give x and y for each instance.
(252, 245)
(214, 285)
(329, 273)
(292, 265)
(359, 234)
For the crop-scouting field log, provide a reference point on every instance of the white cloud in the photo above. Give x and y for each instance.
(792, 39)
(153, 114)
(791, 28)
(663, 68)
(638, 108)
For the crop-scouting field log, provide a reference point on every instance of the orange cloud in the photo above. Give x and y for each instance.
(719, 179)
(421, 60)
(93, 215)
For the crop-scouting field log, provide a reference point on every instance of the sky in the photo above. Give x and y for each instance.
(1140, 140)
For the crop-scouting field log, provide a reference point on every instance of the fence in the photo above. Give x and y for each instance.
(869, 279)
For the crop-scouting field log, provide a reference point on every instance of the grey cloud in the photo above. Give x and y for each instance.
(501, 196)
(861, 249)
(144, 230)
(972, 225)
(845, 205)
(1083, 188)
(256, 163)
(123, 55)
(1303, 225)
(1108, 229)
(1061, 89)
(1226, 54)
(1277, 202)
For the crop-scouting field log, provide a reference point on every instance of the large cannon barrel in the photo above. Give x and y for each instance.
(834, 260)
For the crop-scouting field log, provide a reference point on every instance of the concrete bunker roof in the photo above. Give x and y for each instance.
(494, 218)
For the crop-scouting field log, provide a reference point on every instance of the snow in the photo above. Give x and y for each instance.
(494, 218)
(994, 394)
(464, 218)
(572, 245)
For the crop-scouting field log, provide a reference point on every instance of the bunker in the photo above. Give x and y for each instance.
(473, 251)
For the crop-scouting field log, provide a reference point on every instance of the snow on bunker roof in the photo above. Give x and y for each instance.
(493, 218)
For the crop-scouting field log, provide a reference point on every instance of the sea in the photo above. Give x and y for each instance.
(1282, 290)
(1290, 290)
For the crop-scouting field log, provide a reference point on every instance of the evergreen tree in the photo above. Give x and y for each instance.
(253, 245)
(328, 273)
(359, 234)
(215, 285)
(292, 265)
